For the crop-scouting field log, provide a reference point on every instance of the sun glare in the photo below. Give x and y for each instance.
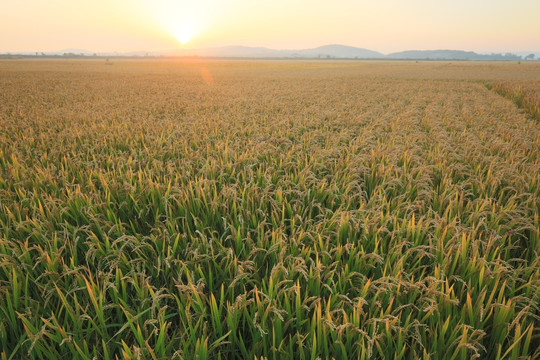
(182, 19)
(184, 34)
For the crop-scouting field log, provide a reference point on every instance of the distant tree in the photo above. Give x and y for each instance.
(529, 57)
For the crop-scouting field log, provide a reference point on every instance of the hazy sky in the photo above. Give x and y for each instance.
(384, 25)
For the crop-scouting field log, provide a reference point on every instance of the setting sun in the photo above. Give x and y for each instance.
(158, 25)
(184, 34)
(182, 20)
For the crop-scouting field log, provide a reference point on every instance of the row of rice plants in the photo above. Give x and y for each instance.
(270, 214)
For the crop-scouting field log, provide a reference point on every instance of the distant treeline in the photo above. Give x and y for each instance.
(332, 54)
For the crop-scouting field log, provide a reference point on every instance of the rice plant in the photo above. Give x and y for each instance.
(283, 210)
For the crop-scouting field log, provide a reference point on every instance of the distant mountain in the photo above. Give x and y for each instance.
(338, 51)
(331, 52)
(321, 52)
(328, 51)
(449, 55)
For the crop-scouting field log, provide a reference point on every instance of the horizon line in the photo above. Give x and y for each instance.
(183, 48)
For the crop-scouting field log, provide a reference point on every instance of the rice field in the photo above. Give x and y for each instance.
(525, 94)
(203, 209)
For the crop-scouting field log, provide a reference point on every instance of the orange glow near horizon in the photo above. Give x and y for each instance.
(388, 26)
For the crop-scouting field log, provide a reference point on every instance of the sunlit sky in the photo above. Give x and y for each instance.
(384, 25)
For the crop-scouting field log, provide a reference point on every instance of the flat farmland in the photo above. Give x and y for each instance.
(269, 209)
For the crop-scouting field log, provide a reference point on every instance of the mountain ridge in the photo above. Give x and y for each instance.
(331, 51)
